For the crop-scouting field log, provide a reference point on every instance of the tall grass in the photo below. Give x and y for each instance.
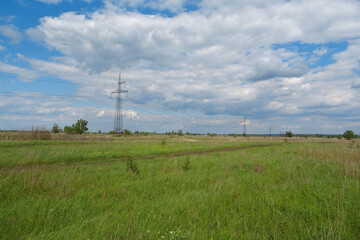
(43, 134)
(34, 133)
(290, 191)
(54, 151)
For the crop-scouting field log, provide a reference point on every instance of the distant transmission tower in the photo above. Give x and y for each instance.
(118, 119)
(270, 131)
(244, 126)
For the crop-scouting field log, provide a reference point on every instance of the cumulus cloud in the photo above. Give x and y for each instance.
(217, 60)
(171, 5)
(11, 32)
(35, 34)
(113, 38)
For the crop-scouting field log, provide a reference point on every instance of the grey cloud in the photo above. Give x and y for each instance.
(35, 34)
(111, 38)
(356, 83)
(11, 32)
(208, 62)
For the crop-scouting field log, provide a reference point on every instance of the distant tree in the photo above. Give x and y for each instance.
(68, 129)
(56, 129)
(180, 132)
(80, 126)
(127, 132)
(349, 134)
(288, 134)
(99, 132)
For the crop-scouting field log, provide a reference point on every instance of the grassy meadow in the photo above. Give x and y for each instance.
(212, 188)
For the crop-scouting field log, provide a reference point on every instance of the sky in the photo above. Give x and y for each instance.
(195, 65)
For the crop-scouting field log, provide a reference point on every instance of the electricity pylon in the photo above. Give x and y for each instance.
(244, 126)
(118, 119)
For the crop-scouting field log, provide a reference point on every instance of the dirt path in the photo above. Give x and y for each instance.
(56, 166)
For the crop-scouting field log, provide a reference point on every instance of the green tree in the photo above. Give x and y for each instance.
(349, 134)
(68, 129)
(288, 134)
(127, 132)
(56, 129)
(80, 126)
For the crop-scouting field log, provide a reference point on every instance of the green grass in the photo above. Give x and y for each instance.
(17, 153)
(297, 190)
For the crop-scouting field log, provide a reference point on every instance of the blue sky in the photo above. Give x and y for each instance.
(199, 66)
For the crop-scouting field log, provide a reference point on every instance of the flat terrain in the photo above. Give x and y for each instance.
(162, 187)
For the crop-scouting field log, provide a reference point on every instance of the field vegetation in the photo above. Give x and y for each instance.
(180, 187)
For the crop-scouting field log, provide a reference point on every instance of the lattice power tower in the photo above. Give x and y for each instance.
(118, 119)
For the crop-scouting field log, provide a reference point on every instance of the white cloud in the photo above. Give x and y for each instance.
(171, 5)
(50, 1)
(10, 31)
(217, 60)
(130, 114)
(35, 34)
(2, 48)
(23, 73)
(100, 114)
(330, 126)
(8, 18)
(321, 51)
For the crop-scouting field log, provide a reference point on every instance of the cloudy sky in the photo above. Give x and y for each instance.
(194, 65)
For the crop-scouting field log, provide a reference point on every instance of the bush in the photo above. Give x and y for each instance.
(68, 129)
(349, 134)
(288, 134)
(56, 129)
(131, 165)
(186, 165)
(127, 132)
(80, 126)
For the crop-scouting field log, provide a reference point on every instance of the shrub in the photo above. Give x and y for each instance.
(56, 129)
(127, 132)
(131, 165)
(80, 126)
(186, 165)
(68, 129)
(349, 134)
(288, 134)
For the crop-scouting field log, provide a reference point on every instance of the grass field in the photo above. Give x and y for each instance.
(137, 188)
